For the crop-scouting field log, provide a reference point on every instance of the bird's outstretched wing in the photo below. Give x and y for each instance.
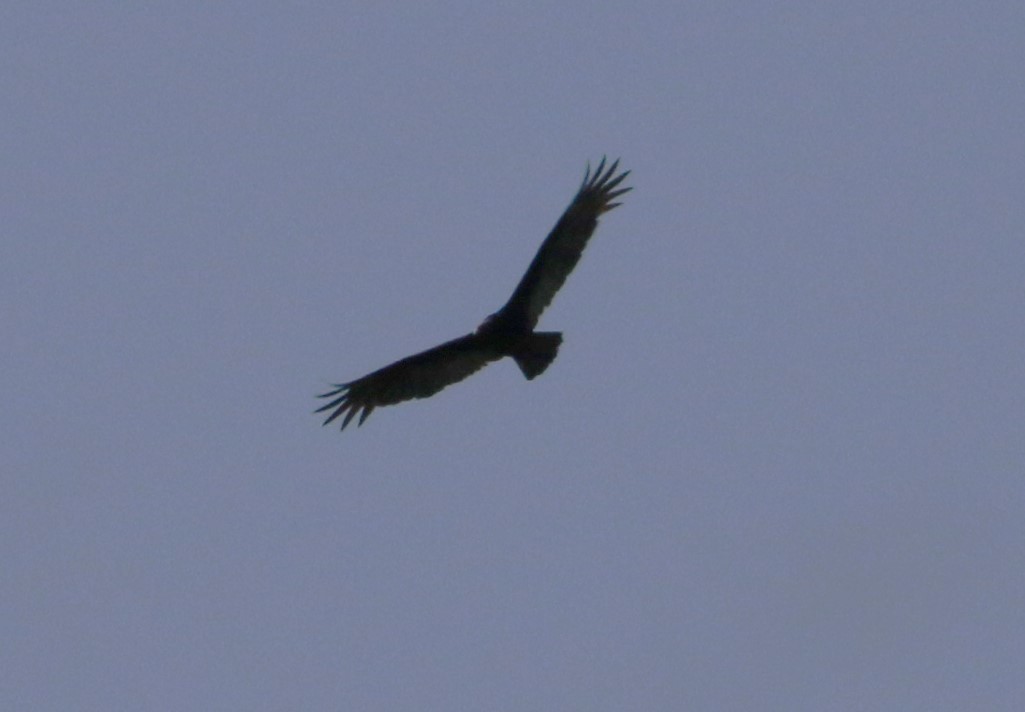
(417, 376)
(561, 250)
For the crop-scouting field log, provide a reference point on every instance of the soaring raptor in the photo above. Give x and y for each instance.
(507, 332)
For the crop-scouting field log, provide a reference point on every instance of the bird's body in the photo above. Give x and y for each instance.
(507, 332)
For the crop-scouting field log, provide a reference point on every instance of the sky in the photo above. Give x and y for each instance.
(778, 464)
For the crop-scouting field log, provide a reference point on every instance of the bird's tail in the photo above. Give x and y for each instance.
(537, 352)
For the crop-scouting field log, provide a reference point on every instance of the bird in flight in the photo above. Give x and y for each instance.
(507, 332)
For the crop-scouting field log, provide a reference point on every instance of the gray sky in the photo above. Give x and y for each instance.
(777, 465)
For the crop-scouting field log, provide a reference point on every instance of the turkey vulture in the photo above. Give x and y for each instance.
(507, 332)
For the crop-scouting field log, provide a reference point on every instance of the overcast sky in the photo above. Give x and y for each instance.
(779, 463)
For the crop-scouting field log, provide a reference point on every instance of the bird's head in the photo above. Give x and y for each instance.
(487, 324)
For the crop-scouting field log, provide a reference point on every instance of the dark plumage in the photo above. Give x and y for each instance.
(507, 332)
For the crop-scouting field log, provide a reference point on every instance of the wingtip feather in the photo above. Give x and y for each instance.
(609, 185)
(350, 415)
(367, 410)
(609, 172)
(341, 409)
